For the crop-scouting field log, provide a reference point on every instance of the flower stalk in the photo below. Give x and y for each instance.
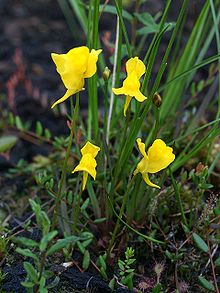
(64, 168)
(125, 199)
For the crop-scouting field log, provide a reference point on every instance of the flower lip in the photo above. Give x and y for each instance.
(73, 67)
(158, 157)
(131, 85)
(87, 163)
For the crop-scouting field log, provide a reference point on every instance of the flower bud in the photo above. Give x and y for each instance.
(106, 73)
(200, 168)
(157, 100)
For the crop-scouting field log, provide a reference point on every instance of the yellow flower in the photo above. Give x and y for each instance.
(158, 157)
(131, 85)
(73, 67)
(87, 163)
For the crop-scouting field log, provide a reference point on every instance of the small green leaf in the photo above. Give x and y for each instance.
(7, 142)
(102, 262)
(47, 133)
(129, 271)
(19, 123)
(39, 128)
(157, 288)
(200, 85)
(103, 273)
(32, 273)
(28, 284)
(193, 89)
(86, 260)
(81, 247)
(11, 119)
(26, 242)
(206, 284)
(47, 238)
(111, 284)
(121, 265)
(42, 218)
(205, 186)
(85, 204)
(111, 9)
(200, 243)
(27, 253)
(145, 18)
(61, 244)
(54, 283)
(100, 220)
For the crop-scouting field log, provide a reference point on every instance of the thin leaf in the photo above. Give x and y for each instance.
(7, 143)
(206, 284)
(200, 243)
(26, 252)
(32, 273)
(86, 260)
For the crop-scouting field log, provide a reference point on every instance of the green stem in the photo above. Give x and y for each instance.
(178, 198)
(125, 198)
(64, 168)
(154, 131)
(133, 230)
(131, 206)
(93, 96)
(106, 106)
(123, 28)
(76, 214)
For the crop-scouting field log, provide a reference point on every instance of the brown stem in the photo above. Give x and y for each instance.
(213, 269)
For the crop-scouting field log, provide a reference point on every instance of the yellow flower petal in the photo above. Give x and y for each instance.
(127, 103)
(74, 66)
(131, 85)
(119, 91)
(68, 93)
(90, 148)
(84, 180)
(147, 180)
(87, 164)
(91, 65)
(141, 147)
(71, 66)
(135, 64)
(140, 97)
(59, 60)
(160, 156)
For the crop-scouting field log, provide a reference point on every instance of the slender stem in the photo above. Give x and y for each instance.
(131, 207)
(178, 198)
(93, 95)
(154, 130)
(113, 82)
(42, 264)
(125, 198)
(76, 214)
(134, 24)
(64, 168)
(213, 269)
(133, 230)
(106, 106)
